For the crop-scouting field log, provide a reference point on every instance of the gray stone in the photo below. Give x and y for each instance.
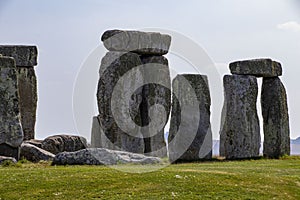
(240, 132)
(257, 67)
(276, 118)
(34, 154)
(25, 56)
(101, 156)
(156, 93)
(37, 143)
(118, 105)
(26, 59)
(4, 158)
(27, 84)
(190, 136)
(149, 43)
(59, 143)
(11, 132)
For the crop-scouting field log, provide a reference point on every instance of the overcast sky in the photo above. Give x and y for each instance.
(68, 31)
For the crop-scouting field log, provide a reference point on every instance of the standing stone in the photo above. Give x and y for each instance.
(117, 124)
(11, 134)
(26, 59)
(156, 98)
(240, 132)
(276, 118)
(190, 136)
(256, 67)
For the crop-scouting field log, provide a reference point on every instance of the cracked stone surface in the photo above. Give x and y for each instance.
(275, 118)
(240, 132)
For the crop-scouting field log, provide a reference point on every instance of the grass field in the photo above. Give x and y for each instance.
(251, 179)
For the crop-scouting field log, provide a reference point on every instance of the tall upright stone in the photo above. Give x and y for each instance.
(153, 94)
(26, 59)
(11, 134)
(134, 80)
(240, 132)
(276, 118)
(190, 136)
(115, 99)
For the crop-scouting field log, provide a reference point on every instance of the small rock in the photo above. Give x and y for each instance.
(256, 67)
(4, 158)
(101, 156)
(60, 143)
(37, 143)
(34, 154)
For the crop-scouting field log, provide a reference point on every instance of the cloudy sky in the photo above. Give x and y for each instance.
(67, 33)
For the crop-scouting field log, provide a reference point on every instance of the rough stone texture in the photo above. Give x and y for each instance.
(155, 94)
(257, 67)
(240, 132)
(26, 59)
(191, 114)
(149, 43)
(25, 56)
(101, 156)
(10, 128)
(34, 154)
(4, 158)
(117, 124)
(27, 84)
(98, 138)
(59, 143)
(276, 118)
(37, 143)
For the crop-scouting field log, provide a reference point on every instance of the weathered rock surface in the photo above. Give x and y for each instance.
(27, 84)
(190, 136)
(156, 104)
(26, 59)
(276, 118)
(149, 43)
(34, 154)
(11, 132)
(25, 56)
(101, 156)
(240, 132)
(60, 143)
(4, 158)
(118, 104)
(257, 67)
(37, 143)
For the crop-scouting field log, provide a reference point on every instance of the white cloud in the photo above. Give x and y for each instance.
(290, 26)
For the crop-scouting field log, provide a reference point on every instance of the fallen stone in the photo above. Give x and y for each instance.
(276, 118)
(4, 158)
(11, 134)
(60, 143)
(118, 104)
(25, 56)
(34, 154)
(240, 132)
(190, 136)
(101, 156)
(37, 143)
(157, 92)
(257, 67)
(144, 43)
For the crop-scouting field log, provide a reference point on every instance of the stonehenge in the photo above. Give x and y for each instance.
(239, 133)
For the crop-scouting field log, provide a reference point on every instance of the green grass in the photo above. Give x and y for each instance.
(251, 179)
